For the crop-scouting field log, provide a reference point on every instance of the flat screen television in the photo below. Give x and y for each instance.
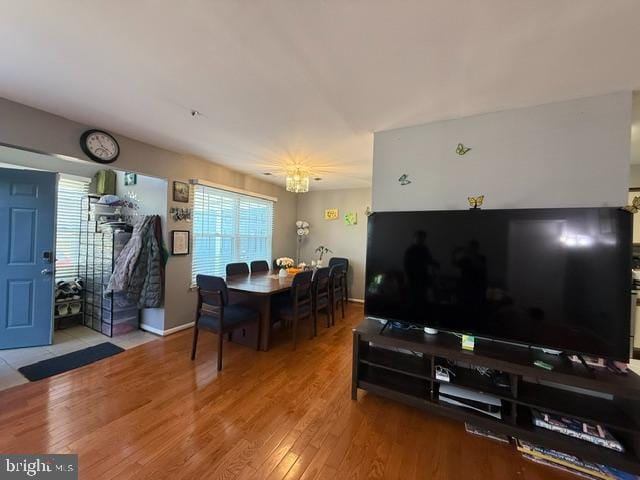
(554, 278)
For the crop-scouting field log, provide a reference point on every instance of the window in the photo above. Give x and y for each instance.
(69, 215)
(229, 227)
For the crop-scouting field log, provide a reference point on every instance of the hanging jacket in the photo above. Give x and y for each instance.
(137, 271)
(151, 293)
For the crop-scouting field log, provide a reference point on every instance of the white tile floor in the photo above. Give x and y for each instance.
(64, 341)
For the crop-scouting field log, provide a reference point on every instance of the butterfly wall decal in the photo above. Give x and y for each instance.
(462, 150)
(476, 202)
(404, 179)
(634, 207)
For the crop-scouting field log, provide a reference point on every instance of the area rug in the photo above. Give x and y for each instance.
(70, 361)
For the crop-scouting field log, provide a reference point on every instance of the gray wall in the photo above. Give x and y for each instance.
(568, 154)
(634, 177)
(345, 241)
(30, 128)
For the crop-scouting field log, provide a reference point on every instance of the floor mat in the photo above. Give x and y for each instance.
(69, 361)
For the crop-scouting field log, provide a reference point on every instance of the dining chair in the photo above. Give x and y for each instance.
(337, 281)
(299, 304)
(237, 268)
(321, 296)
(338, 260)
(259, 266)
(216, 315)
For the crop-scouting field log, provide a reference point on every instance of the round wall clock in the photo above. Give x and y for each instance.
(99, 146)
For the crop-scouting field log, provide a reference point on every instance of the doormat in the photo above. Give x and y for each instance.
(70, 361)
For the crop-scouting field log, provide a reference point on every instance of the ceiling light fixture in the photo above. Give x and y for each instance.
(297, 180)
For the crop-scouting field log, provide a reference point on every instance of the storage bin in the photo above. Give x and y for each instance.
(118, 301)
(120, 316)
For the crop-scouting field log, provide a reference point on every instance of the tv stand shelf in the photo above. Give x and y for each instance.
(400, 365)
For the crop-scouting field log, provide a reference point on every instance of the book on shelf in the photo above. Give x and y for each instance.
(542, 461)
(556, 458)
(619, 474)
(484, 432)
(589, 432)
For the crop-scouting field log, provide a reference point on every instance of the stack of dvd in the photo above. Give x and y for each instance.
(589, 432)
(570, 463)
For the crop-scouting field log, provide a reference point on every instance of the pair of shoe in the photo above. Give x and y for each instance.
(70, 290)
(68, 308)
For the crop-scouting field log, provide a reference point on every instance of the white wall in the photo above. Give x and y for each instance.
(151, 194)
(348, 241)
(567, 154)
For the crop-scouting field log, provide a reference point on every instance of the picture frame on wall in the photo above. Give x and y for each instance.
(180, 242)
(331, 214)
(351, 218)
(181, 192)
(130, 178)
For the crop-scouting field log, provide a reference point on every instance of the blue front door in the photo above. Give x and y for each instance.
(27, 233)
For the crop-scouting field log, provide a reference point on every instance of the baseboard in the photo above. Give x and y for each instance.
(164, 333)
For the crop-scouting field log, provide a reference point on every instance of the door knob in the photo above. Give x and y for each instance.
(47, 271)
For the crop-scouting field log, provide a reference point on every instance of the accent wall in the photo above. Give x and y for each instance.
(568, 154)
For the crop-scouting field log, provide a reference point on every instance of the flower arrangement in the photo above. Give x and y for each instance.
(285, 262)
(322, 250)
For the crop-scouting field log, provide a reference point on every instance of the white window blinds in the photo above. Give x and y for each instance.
(68, 218)
(229, 227)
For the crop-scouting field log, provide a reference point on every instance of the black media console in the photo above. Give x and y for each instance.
(400, 365)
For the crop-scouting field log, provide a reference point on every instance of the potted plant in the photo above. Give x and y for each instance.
(321, 250)
(284, 263)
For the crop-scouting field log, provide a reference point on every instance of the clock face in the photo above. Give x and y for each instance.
(100, 146)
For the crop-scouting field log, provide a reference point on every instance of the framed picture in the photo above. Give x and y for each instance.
(351, 218)
(130, 178)
(181, 192)
(331, 214)
(180, 242)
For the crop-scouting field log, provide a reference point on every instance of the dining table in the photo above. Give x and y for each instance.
(257, 291)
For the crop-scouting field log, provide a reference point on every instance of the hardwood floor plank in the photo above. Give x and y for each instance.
(152, 413)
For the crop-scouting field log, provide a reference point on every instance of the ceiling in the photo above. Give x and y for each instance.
(282, 81)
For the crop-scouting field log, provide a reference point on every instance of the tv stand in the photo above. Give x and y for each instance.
(400, 365)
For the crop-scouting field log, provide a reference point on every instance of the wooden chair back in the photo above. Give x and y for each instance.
(259, 266)
(237, 268)
(301, 294)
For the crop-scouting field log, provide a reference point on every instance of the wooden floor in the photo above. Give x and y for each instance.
(151, 413)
